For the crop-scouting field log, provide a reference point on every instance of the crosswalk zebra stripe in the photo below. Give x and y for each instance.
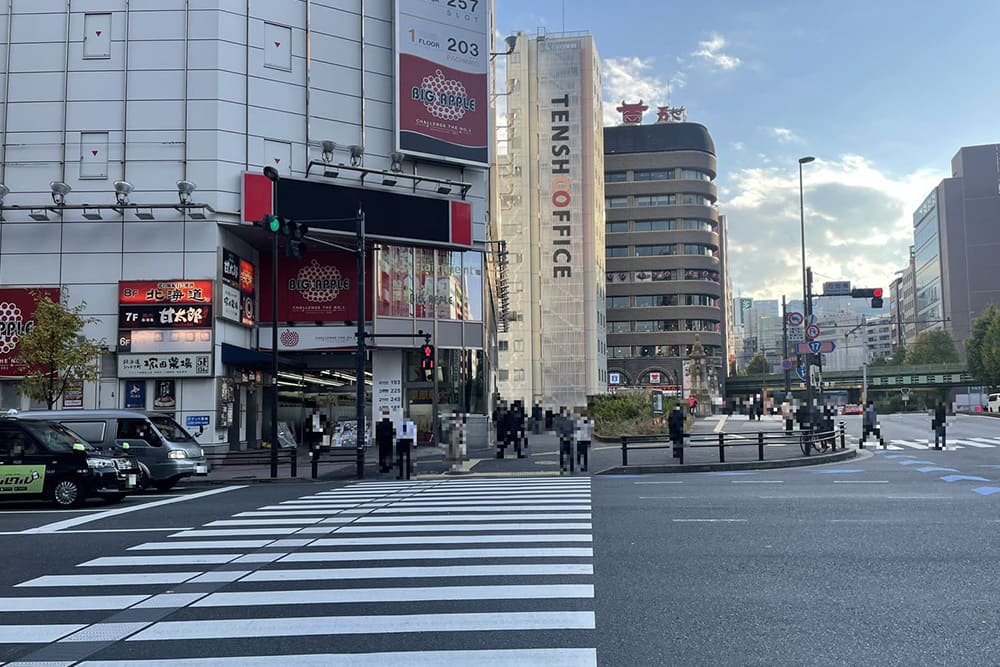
(350, 625)
(541, 516)
(449, 539)
(483, 508)
(442, 527)
(186, 559)
(531, 657)
(237, 532)
(37, 634)
(70, 603)
(490, 502)
(139, 579)
(284, 520)
(214, 544)
(401, 594)
(989, 442)
(436, 571)
(424, 554)
(970, 443)
(915, 444)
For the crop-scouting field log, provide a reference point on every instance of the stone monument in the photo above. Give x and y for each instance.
(699, 377)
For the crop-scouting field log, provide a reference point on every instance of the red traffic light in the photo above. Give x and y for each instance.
(877, 292)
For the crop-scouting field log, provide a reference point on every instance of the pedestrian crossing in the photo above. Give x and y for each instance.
(953, 443)
(423, 573)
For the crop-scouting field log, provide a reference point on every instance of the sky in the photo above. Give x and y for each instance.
(882, 94)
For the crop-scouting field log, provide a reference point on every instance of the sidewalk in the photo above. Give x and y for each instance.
(542, 459)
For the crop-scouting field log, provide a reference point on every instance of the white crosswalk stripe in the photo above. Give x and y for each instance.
(425, 573)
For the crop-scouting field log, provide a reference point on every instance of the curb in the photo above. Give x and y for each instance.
(815, 459)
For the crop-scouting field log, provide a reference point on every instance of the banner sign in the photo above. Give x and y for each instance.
(238, 285)
(164, 317)
(17, 317)
(135, 394)
(174, 292)
(442, 74)
(321, 287)
(312, 338)
(164, 365)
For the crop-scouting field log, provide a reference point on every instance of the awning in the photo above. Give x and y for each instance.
(241, 357)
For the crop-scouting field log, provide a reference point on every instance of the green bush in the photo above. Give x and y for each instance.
(626, 413)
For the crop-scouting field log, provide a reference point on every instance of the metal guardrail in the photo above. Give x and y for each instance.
(806, 440)
(250, 457)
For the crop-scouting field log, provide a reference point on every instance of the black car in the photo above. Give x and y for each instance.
(44, 459)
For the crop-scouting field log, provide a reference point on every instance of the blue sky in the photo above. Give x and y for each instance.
(883, 94)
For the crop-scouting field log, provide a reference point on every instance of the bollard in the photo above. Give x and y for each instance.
(680, 450)
(624, 450)
(722, 448)
(294, 454)
(843, 435)
(314, 455)
(760, 446)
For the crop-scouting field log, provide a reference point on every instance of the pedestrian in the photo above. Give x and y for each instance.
(313, 429)
(868, 421)
(584, 434)
(518, 434)
(938, 424)
(384, 431)
(406, 435)
(564, 429)
(675, 423)
(537, 418)
(693, 406)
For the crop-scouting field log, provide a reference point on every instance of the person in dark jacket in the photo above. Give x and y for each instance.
(565, 426)
(675, 423)
(938, 424)
(384, 435)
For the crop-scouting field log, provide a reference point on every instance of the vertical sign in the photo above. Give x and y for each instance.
(135, 394)
(442, 91)
(387, 369)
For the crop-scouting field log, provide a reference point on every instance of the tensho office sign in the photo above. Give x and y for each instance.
(442, 75)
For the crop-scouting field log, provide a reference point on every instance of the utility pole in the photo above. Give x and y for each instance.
(784, 342)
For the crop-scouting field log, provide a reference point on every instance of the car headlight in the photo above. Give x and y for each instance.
(177, 454)
(100, 463)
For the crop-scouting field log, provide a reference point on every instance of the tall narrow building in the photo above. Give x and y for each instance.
(665, 240)
(552, 219)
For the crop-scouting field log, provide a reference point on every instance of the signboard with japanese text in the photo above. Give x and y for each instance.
(135, 394)
(387, 369)
(174, 292)
(72, 398)
(238, 289)
(311, 338)
(321, 287)
(442, 79)
(17, 317)
(180, 365)
(166, 316)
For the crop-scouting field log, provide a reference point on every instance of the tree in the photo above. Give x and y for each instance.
(932, 347)
(54, 353)
(982, 350)
(757, 365)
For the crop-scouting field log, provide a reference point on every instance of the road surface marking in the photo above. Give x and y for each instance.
(185, 559)
(433, 554)
(860, 481)
(36, 634)
(443, 527)
(757, 481)
(444, 571)
(532, 657)
(709, 520)
(70, 603)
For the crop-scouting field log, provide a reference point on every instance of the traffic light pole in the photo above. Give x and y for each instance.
(360, 251)
(272, 175)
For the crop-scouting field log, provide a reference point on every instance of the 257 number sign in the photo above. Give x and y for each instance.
(464, 5)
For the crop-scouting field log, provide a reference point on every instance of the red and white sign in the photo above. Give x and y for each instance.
(442, 72)
(321, 287)
(176, 292)
(654, 378)
(812, 332)
(311, 338)
(17, 317)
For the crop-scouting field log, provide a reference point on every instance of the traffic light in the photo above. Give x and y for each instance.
(873, 293)
(270, 223)
(427, 360)
(295, 247)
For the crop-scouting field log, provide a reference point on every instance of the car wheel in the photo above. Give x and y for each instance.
(165, 484)
(113, 498)
(67, 493)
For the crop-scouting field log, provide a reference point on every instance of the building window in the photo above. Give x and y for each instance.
(519, 345)
(695, 175)
(502, 345)
(616, 251)
(618, 301)
(654, 250)
(502, 375)
(615, 176)
(653, 225)
(693, 224)
(689, 199)
(619, 351)
(654, 200)
(518, 375)
(698, 249)
(700, 300)
(655, 300)
(654, 174)
(616, 227)
(619, 327)
(616, 202)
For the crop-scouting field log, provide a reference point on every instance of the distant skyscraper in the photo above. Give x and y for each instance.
(551, 195)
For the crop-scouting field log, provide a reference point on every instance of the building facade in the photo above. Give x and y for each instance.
(665, 270)
(133, 141)
(551, 216)
(955, 239)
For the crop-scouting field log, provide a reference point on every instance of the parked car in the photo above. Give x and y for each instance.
(165, 451)
(853, 409)
(42, 459)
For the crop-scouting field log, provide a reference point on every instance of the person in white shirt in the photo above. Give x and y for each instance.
(406, 435)
(583, 434)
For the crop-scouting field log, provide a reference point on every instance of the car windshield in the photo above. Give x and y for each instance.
(171, 430)
(55, 436)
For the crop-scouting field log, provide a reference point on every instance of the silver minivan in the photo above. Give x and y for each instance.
(165, 451)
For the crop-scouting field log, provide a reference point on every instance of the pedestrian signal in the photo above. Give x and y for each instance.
(427, 360)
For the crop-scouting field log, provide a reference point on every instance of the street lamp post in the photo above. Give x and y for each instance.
(806, 300)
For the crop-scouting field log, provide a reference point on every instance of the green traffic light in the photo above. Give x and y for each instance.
(274, 224)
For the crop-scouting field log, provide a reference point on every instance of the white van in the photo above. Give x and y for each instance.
(993, 403)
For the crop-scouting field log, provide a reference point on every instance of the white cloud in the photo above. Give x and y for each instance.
(858, 224)
(711, 51)
(738, 145)
(631, 79)
(785, 136)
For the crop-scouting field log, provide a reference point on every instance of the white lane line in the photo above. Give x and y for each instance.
(473, 517)
(449, 539)
(980, 442)
(76, 521)
(441, 571)
(236, 532)
(491, 502)
(484, 508)
(70, 603)
(185, 559)
(212, 544)
(102, 531)
(277, 511)
(530, 657)
(285, 521)
(403, 594)
(658, 482)
(36, 634)
(860, 481)
(436, 554)
(915, 444)
(709, 520)
(757, 481)
(143, 579)
(350, 625)
(449, 527)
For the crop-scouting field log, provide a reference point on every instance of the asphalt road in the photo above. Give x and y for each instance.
(887, 559)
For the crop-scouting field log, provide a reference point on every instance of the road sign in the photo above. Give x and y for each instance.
(816, 347)
(795, 319)
(801, 372)
(812, 332)
(786, 364)
(837, 288)
(796, 334)
(811, 319)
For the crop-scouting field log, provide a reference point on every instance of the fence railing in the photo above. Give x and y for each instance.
(807, 441)
(286, 456)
